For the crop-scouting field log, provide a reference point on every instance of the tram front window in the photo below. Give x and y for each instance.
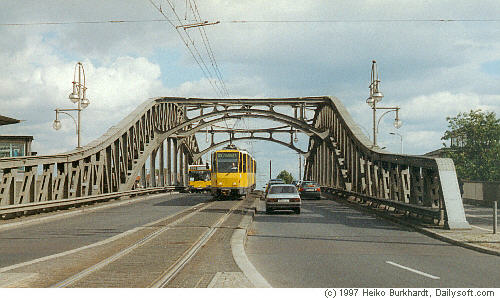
(227, 162)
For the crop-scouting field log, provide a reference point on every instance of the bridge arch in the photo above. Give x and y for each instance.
(215, 145)
(340, 157)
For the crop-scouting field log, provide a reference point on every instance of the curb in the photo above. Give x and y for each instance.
(425, 231)
(238, 242)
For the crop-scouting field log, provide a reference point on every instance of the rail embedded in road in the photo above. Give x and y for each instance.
(152, 255)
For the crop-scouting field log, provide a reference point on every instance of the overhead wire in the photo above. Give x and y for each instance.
(186, 43)
(208, 47)
(258, 21)
(221, 92)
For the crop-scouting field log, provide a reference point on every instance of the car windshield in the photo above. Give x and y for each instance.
(309, 184)
(283, 189)
(276, 182)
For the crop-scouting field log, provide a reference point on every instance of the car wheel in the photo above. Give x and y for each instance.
(297, 210)
(269, 211)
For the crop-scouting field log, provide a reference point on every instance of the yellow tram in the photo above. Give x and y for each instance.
(233, 172)
(199, 178)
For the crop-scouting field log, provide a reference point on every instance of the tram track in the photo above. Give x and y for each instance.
(165, 278)
(170, 273)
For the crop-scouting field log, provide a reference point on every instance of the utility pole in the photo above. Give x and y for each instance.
(300, 167)
(270, 166)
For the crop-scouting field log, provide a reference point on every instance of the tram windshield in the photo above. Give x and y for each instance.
(199, 175)
(227, 162)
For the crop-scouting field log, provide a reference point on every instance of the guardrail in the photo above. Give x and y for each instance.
(437, 216)
(346, 163)
(20, 209)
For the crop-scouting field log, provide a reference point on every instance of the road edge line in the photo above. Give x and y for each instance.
(95, 244)
(238, 240)
(78, 211)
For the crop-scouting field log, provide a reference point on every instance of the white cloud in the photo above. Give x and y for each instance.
(431, 70)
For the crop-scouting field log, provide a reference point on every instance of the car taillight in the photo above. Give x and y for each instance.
(295, 200)
(319, 189)
(301, 189)
(272, 200)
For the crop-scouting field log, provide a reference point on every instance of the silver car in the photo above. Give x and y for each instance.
(283, 197)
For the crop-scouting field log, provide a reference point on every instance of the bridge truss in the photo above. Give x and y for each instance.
(162, 132)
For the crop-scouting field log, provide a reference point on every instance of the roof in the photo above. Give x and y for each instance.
(10, 138)
(7, 120)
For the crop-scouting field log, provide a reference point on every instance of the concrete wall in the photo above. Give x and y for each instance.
(483, 191)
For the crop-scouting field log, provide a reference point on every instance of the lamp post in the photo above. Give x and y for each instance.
(375, 97)
(77, 96)
(400, 137)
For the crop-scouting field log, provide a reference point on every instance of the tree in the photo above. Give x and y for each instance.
(474, 145)
(285, 176)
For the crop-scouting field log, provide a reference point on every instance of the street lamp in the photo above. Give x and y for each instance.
(78, 95)
(400, 137)
(375, 97)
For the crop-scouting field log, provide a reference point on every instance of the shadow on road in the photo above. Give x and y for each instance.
(329, 212)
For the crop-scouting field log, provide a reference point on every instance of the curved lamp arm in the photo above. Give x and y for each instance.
(74, 120)
(386, 112)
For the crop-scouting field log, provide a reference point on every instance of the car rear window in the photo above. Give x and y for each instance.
(310, 184)
(283, 189)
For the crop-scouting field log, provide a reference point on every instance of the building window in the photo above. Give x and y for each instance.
(8, 149)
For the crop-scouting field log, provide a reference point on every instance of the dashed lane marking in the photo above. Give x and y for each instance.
(413, 270)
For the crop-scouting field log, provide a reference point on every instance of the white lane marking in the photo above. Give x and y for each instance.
(413, 270)
(481, 228)
(105, 241)
(121, 253)
(79, 211)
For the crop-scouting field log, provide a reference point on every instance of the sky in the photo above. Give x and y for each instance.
(431, 69)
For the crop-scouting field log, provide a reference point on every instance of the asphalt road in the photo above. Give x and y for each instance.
(331, 245)
(35, 241)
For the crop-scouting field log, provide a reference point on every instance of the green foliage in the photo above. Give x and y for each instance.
(285, 176)
(475, 145)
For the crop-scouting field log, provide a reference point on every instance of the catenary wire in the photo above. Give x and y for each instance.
(257, 21)
(186, 44)
(195, 48)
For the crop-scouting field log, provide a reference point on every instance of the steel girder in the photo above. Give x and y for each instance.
(109, 164)
(347, 165)
(340, 157)
(215, 145)
(248, 113)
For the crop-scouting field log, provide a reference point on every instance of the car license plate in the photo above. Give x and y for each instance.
(283, 200)
(310, 190)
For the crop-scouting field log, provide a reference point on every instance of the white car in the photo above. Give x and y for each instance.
(283, 197)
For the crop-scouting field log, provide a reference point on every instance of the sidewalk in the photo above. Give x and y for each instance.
(480, 237)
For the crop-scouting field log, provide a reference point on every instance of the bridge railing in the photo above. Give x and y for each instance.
(106, 167)
(346, 164)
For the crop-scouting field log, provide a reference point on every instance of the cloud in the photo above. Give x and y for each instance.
(430, 69)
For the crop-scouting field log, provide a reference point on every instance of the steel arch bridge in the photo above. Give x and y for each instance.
(162, 131)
